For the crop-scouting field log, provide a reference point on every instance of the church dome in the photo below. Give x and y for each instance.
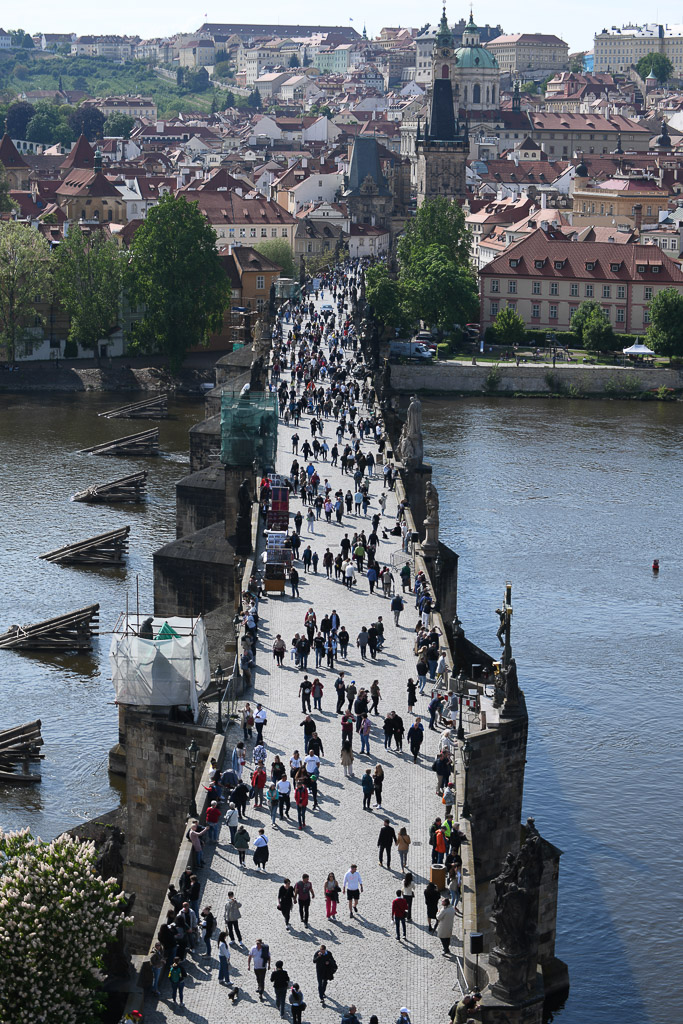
(475, 57)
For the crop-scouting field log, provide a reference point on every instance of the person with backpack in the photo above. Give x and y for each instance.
(259, 955)
(177, 975)
(297, 1003)
(325, 969)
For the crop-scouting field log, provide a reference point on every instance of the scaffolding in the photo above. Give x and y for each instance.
(249, 428)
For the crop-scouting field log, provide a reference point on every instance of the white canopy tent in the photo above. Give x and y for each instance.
(638, 349)
(171, 669)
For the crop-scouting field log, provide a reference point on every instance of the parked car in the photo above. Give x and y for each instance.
(410, 350)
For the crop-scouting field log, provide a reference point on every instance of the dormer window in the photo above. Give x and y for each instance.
(655, 269)
(641, 268)
(539, 264)
(590, 265)
(515, 263)
(615, 267)
(559, 264)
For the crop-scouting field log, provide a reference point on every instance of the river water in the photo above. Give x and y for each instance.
(72, 695)
(571, 501)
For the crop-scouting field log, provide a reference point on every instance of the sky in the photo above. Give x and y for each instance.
(576, 23)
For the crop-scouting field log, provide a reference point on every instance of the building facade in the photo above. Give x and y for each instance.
(616, 49)
(527, 51)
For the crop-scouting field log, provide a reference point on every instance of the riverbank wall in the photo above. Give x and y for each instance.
(571, 381)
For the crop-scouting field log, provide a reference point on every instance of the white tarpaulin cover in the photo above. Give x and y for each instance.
(164, 672)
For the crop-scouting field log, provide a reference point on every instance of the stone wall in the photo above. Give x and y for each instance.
(194, 574)
(200, 499)
(445, 377)
(158, 794)
(205, 443)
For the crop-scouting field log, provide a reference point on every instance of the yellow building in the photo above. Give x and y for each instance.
(621, 202)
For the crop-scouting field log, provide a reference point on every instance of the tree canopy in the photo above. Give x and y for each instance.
(24, 273)
(6, 202)
(386, 297)
(665, 333)
(278, 250)
(175, 271)
(509, 328)
(88, 121)
(598, 334)
(437, 222)
(658, 63)
(49, 124)
(119, 125)
(88, 275)
(439, 288)
(18, 116)
(581, 315)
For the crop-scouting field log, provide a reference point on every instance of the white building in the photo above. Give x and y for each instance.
(616, 49)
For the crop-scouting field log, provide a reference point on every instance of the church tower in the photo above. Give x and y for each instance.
(442, 149)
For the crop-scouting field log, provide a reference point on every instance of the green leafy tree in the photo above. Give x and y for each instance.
(49, 124)
(580, 317)
(598, 335)
(509, 328)
(222, 69)
(386, 296)
(658, 63)
(437, 222)
(86, 121)
(278, 250)
(440, 289)
(21, 39)
(6, 201)
(576, 64)
(665, 333)
(57, 917)
(175, 271)
(229, 100)
(88, 276)
(119, 125)
(254, 100)
(294, 61)
(24, 273)
(18, 116)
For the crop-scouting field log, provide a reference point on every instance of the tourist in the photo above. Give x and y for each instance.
(444, 925)
(231, 916)
(353, 887)
(403, 844)
(247, 721)
(415, 738)
(241, 844)
(297, 1003)
(378, 783)
(259, 955)
(303, 895)
(260, 720)
(258, 782)
(284, 788)
(409, 893)
(346, 758)
(386, 839)
(208, 928)
(261, 851)
(157, 960)
(332, 890)
(194, 837)
(286, 898)
(325, 969)
(350, 1017)
(431, 898)
(177, 975)
(279, 979)
(368, 786)
(272, 802)
(213, 817)
(399, 912)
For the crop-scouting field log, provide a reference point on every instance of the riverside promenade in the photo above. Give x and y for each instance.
(376, 972)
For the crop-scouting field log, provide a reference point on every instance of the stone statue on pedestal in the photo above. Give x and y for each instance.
(430, 544)
(243, 524)
(414, 428)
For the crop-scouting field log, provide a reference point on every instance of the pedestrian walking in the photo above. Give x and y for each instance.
(231, 916)
(260, 720)
(375, 696)
(409, 892)
(279, 979)
(303, 894)
(364, 730)
(403, 841)
(258, 784)
(347, 758)
(444, 925)
(353, 887)
(325, 969)
(294, 580)
(397, 606)
(350, 1017)
(177, 975)
(340, 688)
(259, 956)
(247, 721)
(385, 841)
(272, 801)
(368, 787)
(223, 959)
(297, 1003)
(412, 695)
(378, 783)
(415, 738)
(157, 961)
(332, 890)
(261, 851)
(399, 912)
(301, 801)
(285, 900)
(284, 789)
(431, 898)
(208, 928)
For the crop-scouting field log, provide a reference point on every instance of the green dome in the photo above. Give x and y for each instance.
(475, 57)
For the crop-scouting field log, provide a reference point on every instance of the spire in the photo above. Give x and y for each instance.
(444, 36)
(516, 99)
(97, 161)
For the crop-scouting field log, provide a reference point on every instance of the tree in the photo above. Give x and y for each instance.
(576, 64)
(57, 917)
(18, 116)
(437, 222)
(119, 125)
(229, 100)
(658, 63)
(49, 124)
(6, 201)
(580, 317)
(294, 61)
(88, 121)
(279, 251)
(24, 273)
(665, 333)
(440, 289)
(21, 39)
(509, 328)
(386, 296)
(598, 335)
(88, 276)
(222, 69)
(254, 100)
(175, 271)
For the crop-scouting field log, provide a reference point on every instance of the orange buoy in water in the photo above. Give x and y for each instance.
(655, 565)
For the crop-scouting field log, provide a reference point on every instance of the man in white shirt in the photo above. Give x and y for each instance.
(312, 763)
(284, 789)
(353, 887)
(260, 955)
(260, 719)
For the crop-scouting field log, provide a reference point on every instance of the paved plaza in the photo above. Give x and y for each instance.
(376, 972)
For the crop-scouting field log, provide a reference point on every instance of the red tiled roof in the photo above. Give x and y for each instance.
(9, 156)
(82, 155)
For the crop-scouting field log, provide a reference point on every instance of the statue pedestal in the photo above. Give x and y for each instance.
(243, 535)
(516, 975)
(430, 545)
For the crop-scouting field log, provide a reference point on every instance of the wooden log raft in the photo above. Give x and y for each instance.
(20, 745)
(144, 443)
(153, 408)
(126, 488)
(71, 632)
(105, 549)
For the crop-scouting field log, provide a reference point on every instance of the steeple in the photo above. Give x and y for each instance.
(97, 161)
(444, 36)
(516, 99)
(365, 34)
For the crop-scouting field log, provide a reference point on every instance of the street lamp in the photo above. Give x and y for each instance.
(219, 680)
(466, 761)
(460, 734)
(192, 759)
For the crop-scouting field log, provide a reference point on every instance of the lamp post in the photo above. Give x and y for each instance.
(192, 758)
(466, 761)
(219, 680)
(460, 734)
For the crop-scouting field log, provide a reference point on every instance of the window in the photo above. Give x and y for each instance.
(231, 232)
(648, 294)
(264, 232)
(654, 269)
(536, 288)
(649, 211)
(621, 291)
(539, 264)
(512, 287)
(590, 265)
(243, 232)
(641, 268)
(573, 288)
(252, 232)
(606, 311)
(535, 311)
(512, 304)
(615, 267)
(589, 291)
(260, 283)
(284, 232)
(558, 264)
(494, 309)
(553, 313)
(646, 316)
(606, 291)
(495, 285)
(554, 288)
(621, 316)
(273, 232)
(260, 303)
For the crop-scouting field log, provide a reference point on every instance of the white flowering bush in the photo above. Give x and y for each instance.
(56, 918)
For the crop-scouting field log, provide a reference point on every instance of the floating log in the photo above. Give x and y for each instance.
(155, 408)
(19, 744)
(70, 632)
(126, 488)
(145, 443)
(106, 549)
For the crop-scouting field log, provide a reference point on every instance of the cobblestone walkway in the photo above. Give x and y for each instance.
(376, 972)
